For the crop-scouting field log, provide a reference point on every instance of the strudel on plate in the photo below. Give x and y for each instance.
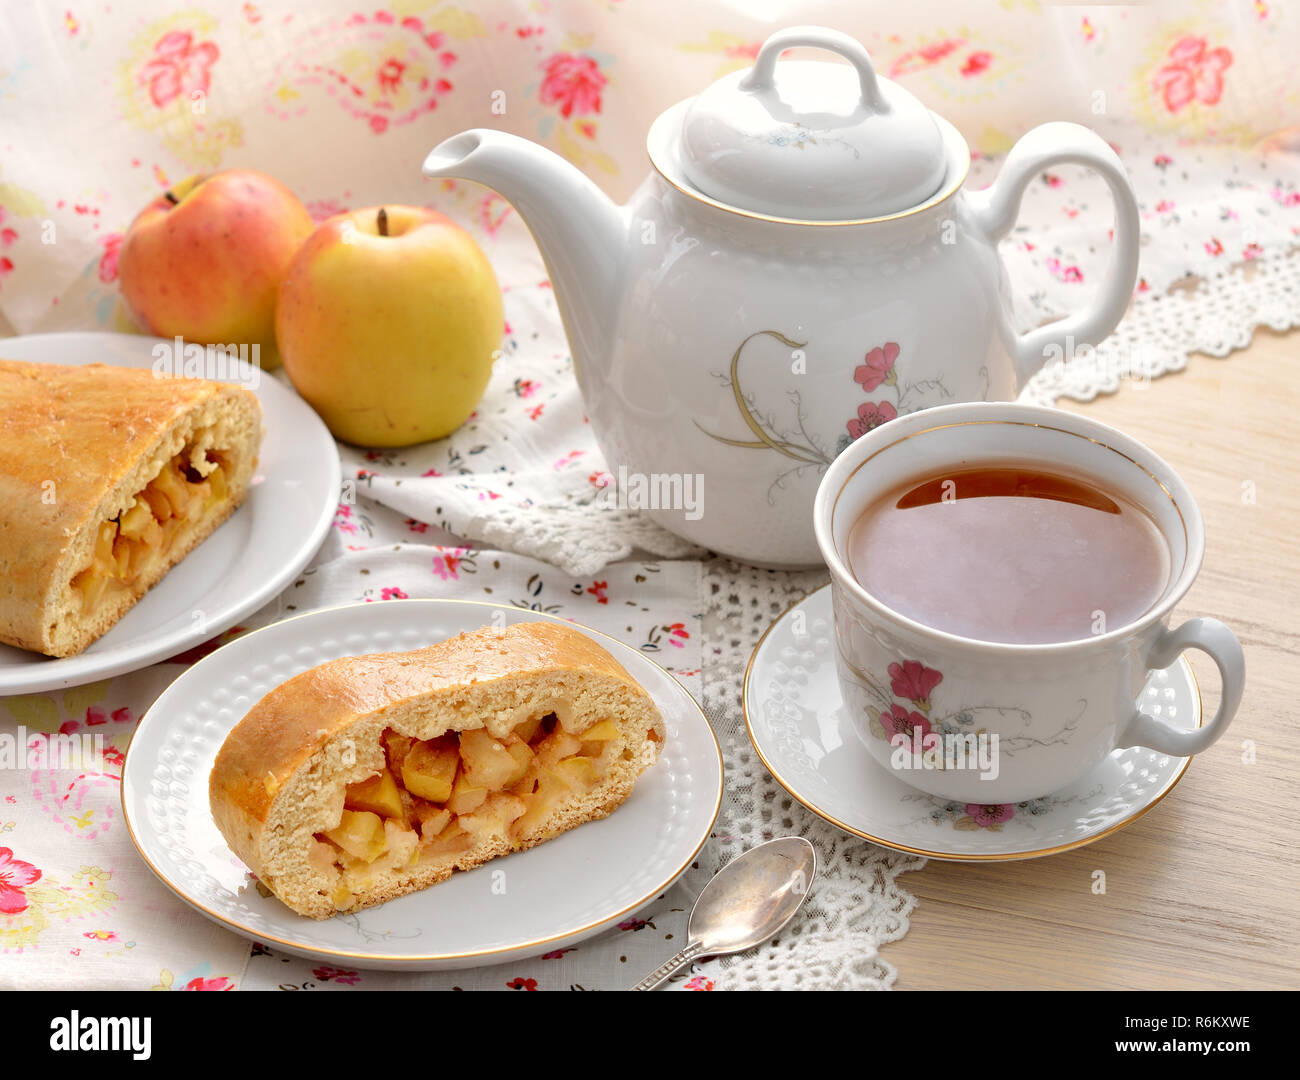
(373, 776)
(109, 476)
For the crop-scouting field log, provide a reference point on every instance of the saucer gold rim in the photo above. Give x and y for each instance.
(945, 856)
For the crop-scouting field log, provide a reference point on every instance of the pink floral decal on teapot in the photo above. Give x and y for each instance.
(877, 376)
(879, 369)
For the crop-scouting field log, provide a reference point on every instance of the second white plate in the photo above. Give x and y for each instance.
(560, 892)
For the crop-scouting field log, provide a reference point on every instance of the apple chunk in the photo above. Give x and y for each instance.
(580, 772)
(465, 797)
(429, 769)
(396, 747)
(602, 732)
(558, 744)
(551, 789)
(494, 815)
(172, 485)
(361, 834)
(523, 755)
(433, 819)
(378, 794)
(529, 727)
(490, 764)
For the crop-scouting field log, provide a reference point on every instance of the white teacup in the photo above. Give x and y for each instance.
(1056, 709)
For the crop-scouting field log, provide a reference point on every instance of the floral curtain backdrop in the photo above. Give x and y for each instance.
(102, 105)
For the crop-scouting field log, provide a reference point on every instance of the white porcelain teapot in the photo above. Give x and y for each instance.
(802, 265)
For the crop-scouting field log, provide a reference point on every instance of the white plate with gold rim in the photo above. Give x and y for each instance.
(555, 894)
(244, 564)
(794, 714)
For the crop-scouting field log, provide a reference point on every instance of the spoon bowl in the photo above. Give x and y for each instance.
(749, 900)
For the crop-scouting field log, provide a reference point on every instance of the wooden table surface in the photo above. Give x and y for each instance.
(1204, 891)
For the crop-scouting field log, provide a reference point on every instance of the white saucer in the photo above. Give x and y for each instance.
(252, 557)
(556, 894)
(796, 721)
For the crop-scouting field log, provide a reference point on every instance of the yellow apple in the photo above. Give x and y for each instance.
(204, 260)
(388, 322)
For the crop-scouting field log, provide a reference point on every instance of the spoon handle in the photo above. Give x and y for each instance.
(669, 967)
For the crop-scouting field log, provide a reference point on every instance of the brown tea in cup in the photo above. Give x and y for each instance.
(1010, 554)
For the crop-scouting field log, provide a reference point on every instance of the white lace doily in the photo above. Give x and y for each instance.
(856, 904)
(1213, 315)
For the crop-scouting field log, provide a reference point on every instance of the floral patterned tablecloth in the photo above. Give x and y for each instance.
(102, 105)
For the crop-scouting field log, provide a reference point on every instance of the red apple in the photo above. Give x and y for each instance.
(204, 260)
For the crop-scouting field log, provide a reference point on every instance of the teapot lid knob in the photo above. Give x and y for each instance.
(810, 140)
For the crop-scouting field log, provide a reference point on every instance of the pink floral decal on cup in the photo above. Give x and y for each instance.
(900, 721)
(914, 681)
(904, 715)
(1194, 72)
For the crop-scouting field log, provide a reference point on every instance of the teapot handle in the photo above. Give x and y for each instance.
(995, 209)
(762, 75)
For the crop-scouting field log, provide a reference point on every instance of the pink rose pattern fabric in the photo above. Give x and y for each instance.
(14, 875)
(1194, 72)
(572, 82)
(179, 67)
(370, 91)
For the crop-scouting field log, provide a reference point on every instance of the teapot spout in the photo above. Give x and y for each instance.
(581, 233)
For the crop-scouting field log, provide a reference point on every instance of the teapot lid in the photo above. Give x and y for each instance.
(812, 140)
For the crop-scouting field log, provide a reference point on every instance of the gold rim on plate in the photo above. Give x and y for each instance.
(946, 856)
(409, 961)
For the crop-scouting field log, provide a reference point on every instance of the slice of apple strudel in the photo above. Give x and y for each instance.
(109, 476)
(370, 777)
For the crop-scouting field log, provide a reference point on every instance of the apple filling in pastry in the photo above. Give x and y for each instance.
(132, 545)
(109, 477)
(369, 777)
(436, 798)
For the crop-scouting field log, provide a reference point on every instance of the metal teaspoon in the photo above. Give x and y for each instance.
(749, 900)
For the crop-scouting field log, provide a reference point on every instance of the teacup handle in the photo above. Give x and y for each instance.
(995, 210)
(1221, 645)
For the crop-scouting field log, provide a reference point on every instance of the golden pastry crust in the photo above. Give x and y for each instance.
(77, 444)
(280, 778)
